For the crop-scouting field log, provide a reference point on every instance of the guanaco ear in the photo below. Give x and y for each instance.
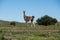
(24, 11)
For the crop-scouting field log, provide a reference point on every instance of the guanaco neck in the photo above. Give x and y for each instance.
(24, 14)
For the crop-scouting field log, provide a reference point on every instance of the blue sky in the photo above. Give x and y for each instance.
(12, 10)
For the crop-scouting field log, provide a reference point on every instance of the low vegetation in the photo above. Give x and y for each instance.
(22, 32)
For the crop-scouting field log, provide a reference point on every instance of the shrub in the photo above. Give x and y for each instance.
(46, 20)
(13, 23)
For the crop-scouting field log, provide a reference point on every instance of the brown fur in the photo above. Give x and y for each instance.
(28, 18)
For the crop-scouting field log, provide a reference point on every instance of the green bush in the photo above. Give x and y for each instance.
(46, 20)
(13, 23)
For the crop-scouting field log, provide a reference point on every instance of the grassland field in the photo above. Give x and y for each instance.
(23, 32)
